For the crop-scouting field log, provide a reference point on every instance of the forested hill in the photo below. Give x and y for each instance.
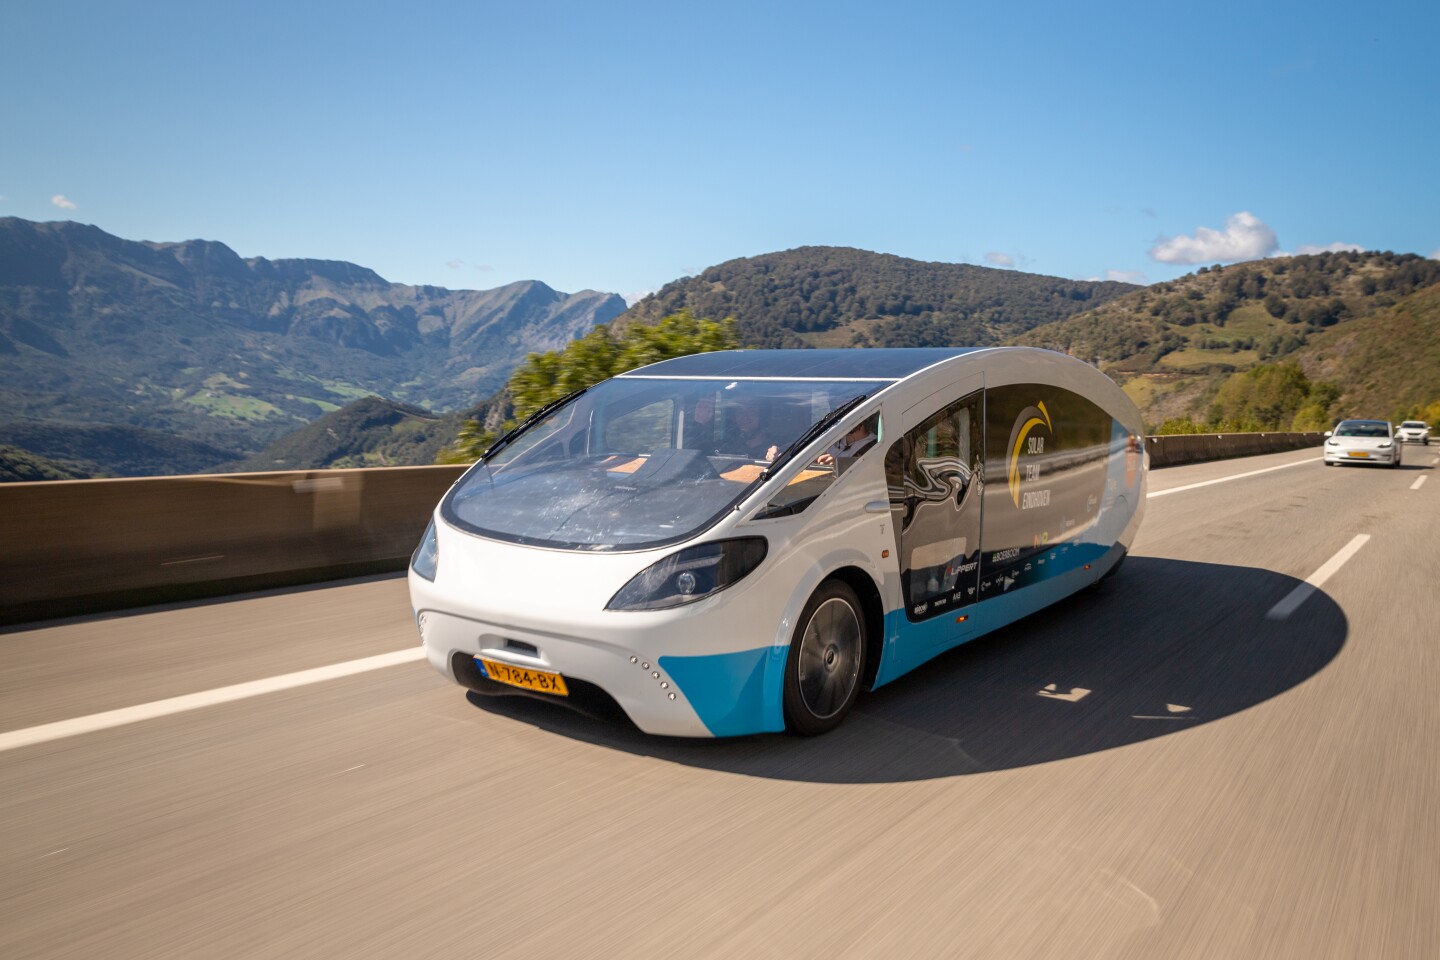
(371, 432)
(840, 297)
(1172, 343)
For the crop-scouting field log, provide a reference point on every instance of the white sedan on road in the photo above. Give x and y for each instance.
(1362, 441)
(1413, 431)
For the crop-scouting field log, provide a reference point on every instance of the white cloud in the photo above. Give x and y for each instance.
(63, 202)
(633, 298)
(1336, 247)
(454, 264)
(1435, 254)
(484, 268)
(1127, 276)
(1246, 237)
(1000, 259)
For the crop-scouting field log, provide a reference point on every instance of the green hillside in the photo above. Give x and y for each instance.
(842, 297)
(371, 432)
(1387, 366)
(17, 465)
(1172, 344)
(111, 450)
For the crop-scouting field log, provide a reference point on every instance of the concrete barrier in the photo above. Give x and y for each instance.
(1170, 451)
(80, 546)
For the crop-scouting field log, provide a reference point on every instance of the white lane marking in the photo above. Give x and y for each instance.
(1419, 482)
(1234, 476)
(1316, 580)
(207, 698)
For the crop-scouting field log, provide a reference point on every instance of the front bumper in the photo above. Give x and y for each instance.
(1385, 457)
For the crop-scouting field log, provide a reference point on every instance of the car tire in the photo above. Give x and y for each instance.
(1328, 463)
(826, 662)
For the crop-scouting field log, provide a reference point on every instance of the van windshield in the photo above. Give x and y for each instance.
(639, 462)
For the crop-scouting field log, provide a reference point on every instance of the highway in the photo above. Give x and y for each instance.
(1209, 757)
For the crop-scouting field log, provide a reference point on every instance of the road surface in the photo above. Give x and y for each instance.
(1210, 757)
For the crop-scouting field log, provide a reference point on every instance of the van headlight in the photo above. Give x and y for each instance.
(427, 556)
(691, 574)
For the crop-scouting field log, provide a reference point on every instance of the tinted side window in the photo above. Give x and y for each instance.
(1045, 477)
(933, 474)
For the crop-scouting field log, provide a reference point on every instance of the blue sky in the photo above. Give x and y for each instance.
(621, 146)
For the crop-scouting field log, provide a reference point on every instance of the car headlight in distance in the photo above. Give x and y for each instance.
(427, 556)
(1385, 444)
(691, 574)
(1332, 442)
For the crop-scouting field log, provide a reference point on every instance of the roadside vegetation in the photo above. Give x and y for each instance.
(602, 353)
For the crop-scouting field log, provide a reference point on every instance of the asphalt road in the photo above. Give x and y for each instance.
(1184, 764)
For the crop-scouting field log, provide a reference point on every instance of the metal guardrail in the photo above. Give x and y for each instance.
(71, 547)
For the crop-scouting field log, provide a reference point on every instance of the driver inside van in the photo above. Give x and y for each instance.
(745, 431)
(860, 438)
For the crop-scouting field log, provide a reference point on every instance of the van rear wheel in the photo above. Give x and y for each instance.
(826, 662)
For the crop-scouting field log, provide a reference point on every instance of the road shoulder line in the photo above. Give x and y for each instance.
(1233, 476)
(44, 733)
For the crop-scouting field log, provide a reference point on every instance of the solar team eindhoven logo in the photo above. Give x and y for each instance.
(1023, 440)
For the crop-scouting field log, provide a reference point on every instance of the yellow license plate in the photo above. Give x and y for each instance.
(537, 680)
(1359, 453)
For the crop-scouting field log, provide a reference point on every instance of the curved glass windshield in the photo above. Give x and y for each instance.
(1363, 428)
(639, 462)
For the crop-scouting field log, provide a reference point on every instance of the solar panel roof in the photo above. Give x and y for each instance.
(888, 363)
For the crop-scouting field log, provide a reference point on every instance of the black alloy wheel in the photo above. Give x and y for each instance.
(826, 662)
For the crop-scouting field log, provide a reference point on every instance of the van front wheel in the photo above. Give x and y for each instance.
(827, 659)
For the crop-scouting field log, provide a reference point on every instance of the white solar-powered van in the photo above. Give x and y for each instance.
(737, 542)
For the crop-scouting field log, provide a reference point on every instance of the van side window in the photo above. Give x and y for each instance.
(934, 474)
(1046, 464)
(824, 470)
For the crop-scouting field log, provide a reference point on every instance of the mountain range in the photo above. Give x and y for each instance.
(195, 341)
(130, 358)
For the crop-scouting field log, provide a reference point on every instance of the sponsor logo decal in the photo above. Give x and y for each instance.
(1022, 441)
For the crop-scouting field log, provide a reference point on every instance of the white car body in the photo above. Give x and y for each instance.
(498, 599)
(1413, 431)
(1362, 441)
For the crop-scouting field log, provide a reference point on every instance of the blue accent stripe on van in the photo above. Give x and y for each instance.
(733, 693)
(915, 643)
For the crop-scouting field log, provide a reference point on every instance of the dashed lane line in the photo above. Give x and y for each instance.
(1419, 482)
(1316, 580)
(195, 701)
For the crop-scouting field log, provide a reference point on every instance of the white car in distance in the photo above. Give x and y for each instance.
(1413, 431)
(1362, 441)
